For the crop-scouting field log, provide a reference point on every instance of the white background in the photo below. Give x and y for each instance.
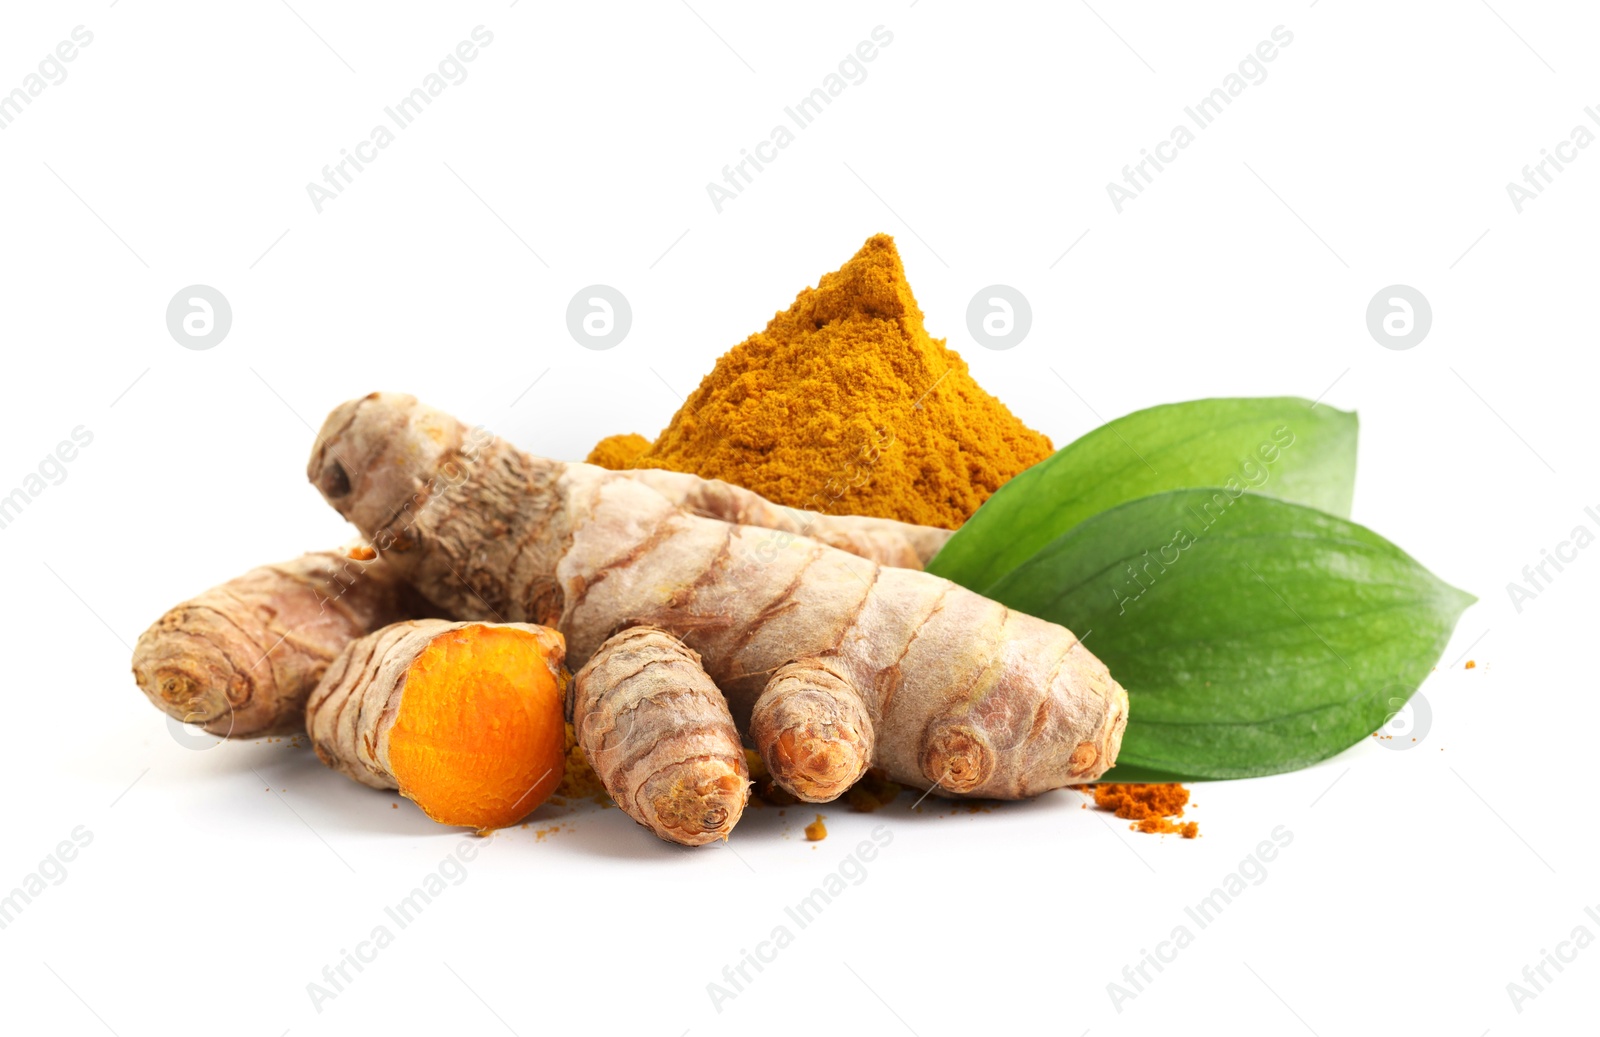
(177, 151)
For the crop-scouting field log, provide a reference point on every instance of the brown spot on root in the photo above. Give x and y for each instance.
(693, 809)
(334, 481)
(817, 765)
(1083, 759)
(957, 758)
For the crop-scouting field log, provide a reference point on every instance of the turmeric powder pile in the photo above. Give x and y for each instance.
(1149, 807)
(845, 405)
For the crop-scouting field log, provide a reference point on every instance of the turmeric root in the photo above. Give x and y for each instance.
(658, 733)
(813, 730)
(962, 694)
(465, 719)
(241, 659)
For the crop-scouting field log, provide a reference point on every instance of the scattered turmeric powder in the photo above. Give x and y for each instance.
(1162, 826)
(1149, 806)
(816, 831)
(844, 404)
(1472, 664)
(873, 792)
(765, 791)
(579, 781)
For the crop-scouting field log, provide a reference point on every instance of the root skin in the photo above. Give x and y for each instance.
(241, 659)
(658, 733)
(964, 696)
(884, 541)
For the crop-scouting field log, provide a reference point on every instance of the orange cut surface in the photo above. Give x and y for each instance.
(480, 740)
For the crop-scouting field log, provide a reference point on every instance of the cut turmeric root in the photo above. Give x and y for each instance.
(465, 719)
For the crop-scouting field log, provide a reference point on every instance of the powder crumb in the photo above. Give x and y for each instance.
(579, 782)
(394, 806)
(1472, 664)
(816, 831)
(1149, 806)
(540, 833)
(1162, 826)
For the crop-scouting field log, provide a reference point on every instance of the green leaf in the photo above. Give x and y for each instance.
(1284, 447)
(1253, 635)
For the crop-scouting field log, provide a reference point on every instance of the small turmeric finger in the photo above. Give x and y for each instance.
(812, 730)
(465, 719)
(240, 659)
(658, 733)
